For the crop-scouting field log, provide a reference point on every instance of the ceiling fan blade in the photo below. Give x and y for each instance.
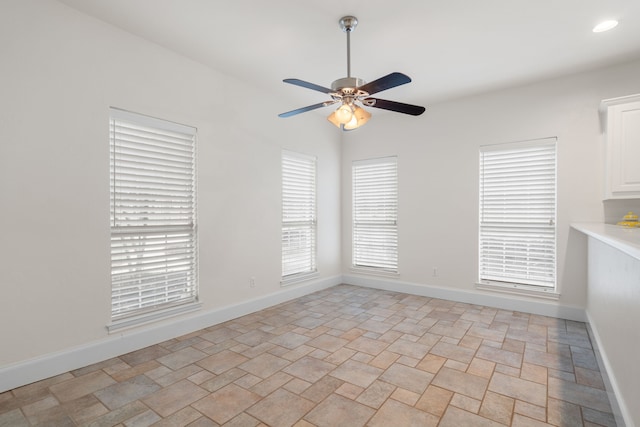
(398, 107)
(384, 83)
(308, 85)
(307, 108)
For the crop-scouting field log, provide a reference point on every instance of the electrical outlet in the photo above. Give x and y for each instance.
(252, 282)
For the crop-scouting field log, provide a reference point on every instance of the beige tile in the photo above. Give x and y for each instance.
(175, 397)
(434, 400)
(309, 368)
(520, 389)
(455, 417)
(465, 402)
(181, 418)
(431, 363)
(180, 374)
(384, 359)
(394, 413)
(407, 348)
(226, 403)
(120, 394)
(522, 421)
(561, 413)
(182, 358)
(405, 396)
(119, 415)
(451, 351)
(322, 388)
(219, 381)
(534, 373)
(138, 369)
(497, 407)
(335, 409)
(340, 356)
(349, 391)
(357, 373)
(376, 394)
(482, 368)
(222, 361)
(549, 360)
(264, 365)
(486, 333)
(81, 386)
(500, 356)
(589, 378)
(408, 378)
(270, 384)
(530, 410)
(579, 394)
(13, 418)
(367, 345)
(460, 382)
(281, 408)
(327, 343)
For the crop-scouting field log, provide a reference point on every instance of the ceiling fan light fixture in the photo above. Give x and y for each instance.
(344, 113)
(360, 117)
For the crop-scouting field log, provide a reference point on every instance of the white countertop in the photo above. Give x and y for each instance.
(626, 240)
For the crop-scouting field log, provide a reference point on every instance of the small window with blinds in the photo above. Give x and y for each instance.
(375, 214)
(153, 217)
(518, 214)
(298, 216)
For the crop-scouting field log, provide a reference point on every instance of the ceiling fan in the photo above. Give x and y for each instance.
(352, 91)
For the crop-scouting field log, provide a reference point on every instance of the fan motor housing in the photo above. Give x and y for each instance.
(347, 82)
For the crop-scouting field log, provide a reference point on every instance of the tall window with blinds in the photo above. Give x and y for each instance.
(518, 214)
(298, 216)
(375, 214)
(153, 215)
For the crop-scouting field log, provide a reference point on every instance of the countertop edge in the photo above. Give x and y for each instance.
(626, 240)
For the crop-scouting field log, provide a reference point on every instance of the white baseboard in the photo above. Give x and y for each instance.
(502, 301)
(36, 369)
(618, 405)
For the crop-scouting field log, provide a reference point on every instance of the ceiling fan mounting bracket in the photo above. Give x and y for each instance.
(348, 23)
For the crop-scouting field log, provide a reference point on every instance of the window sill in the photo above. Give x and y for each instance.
(297, 278)
(143, 319)
(519, 289)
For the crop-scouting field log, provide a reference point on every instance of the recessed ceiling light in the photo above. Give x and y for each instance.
(605, 26)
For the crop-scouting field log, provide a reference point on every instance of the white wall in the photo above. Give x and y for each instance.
(438, 176)
(61, 71)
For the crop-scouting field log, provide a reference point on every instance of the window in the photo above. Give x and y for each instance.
(375, 214)
(298, 216)
(518, 213)
(153, 216)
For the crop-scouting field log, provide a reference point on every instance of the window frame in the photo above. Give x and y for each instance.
(528, 227)
(374, 225)
(299, 173)
(152, 219)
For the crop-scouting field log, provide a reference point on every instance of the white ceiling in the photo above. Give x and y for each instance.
(450, 48)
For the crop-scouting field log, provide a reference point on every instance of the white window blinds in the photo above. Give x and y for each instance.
(153, 214)
(298, 215)
(375, 214)
(518, 213)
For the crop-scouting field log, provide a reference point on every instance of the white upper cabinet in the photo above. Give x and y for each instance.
(623, 147)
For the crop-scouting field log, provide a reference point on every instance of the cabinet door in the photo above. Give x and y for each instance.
(623, 149)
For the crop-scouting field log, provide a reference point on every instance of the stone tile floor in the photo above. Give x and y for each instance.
(346, 356)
